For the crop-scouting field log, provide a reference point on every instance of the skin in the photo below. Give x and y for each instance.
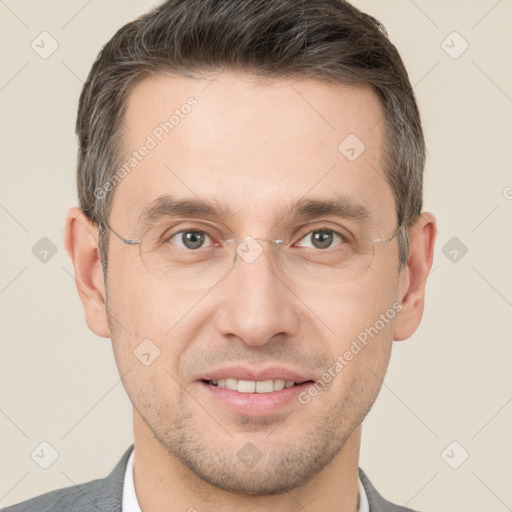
(250, 146)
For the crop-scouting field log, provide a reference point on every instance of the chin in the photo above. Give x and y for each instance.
(258, 467)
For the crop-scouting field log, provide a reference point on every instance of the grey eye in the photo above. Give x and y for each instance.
(189, 239)
(320, 239)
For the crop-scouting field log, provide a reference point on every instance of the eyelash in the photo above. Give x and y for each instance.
(342, 237)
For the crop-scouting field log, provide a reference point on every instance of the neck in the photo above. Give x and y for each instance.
(163, 483)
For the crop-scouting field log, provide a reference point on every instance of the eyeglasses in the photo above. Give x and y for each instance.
(193, 254)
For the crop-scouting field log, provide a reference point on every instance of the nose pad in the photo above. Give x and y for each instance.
(249, 249)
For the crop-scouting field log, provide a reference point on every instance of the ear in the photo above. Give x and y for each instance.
(81, 241)
(413, 278)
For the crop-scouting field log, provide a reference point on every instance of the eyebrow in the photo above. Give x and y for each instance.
(171, 206)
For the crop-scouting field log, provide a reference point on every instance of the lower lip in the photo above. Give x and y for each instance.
(255, 404)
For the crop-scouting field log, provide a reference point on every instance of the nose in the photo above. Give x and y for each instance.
(257, 301)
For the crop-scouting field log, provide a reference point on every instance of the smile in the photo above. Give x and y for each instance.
(253, 386)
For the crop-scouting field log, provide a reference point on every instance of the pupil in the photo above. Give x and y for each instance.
(322, 239)
(192, 239)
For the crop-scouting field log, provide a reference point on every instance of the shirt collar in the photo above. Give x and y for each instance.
(130, 503)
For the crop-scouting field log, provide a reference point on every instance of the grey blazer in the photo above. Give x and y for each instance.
(106, 495)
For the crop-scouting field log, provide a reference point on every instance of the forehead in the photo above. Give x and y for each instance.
(251, 145)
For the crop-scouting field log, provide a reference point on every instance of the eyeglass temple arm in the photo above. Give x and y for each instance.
(124, 240)
(390, 237)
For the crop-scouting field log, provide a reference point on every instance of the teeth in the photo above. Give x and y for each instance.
(251, 386)
(246, 386)
(265, 386)
(232, 384)
(279, 384)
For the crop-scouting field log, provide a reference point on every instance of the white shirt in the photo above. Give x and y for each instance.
(130, 503)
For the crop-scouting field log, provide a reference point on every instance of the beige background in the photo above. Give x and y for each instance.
(450, 382)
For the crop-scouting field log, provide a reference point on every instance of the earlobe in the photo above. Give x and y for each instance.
(413, 279)
(81, 242)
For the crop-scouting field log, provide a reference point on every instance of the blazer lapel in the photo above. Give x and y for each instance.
(376, 502)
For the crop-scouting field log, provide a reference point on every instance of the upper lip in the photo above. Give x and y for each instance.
(255, 374)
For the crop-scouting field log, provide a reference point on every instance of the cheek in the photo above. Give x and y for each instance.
(358, 322)
(147, 360)
(359, 365)
(145, 307)
(345, 313)
(152, 327)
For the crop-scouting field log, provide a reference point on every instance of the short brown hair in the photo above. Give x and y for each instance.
(327, 39)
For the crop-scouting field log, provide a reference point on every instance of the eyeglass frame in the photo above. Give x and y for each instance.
(129, 241)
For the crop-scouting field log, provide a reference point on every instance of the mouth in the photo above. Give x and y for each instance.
(255, 392)
(254, 386)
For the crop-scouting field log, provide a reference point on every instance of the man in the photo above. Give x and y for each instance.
(251, 238)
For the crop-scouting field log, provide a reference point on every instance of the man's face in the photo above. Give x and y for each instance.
(255, 150)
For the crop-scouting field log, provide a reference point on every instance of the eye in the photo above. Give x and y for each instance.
(321, 239)
(189, 239)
